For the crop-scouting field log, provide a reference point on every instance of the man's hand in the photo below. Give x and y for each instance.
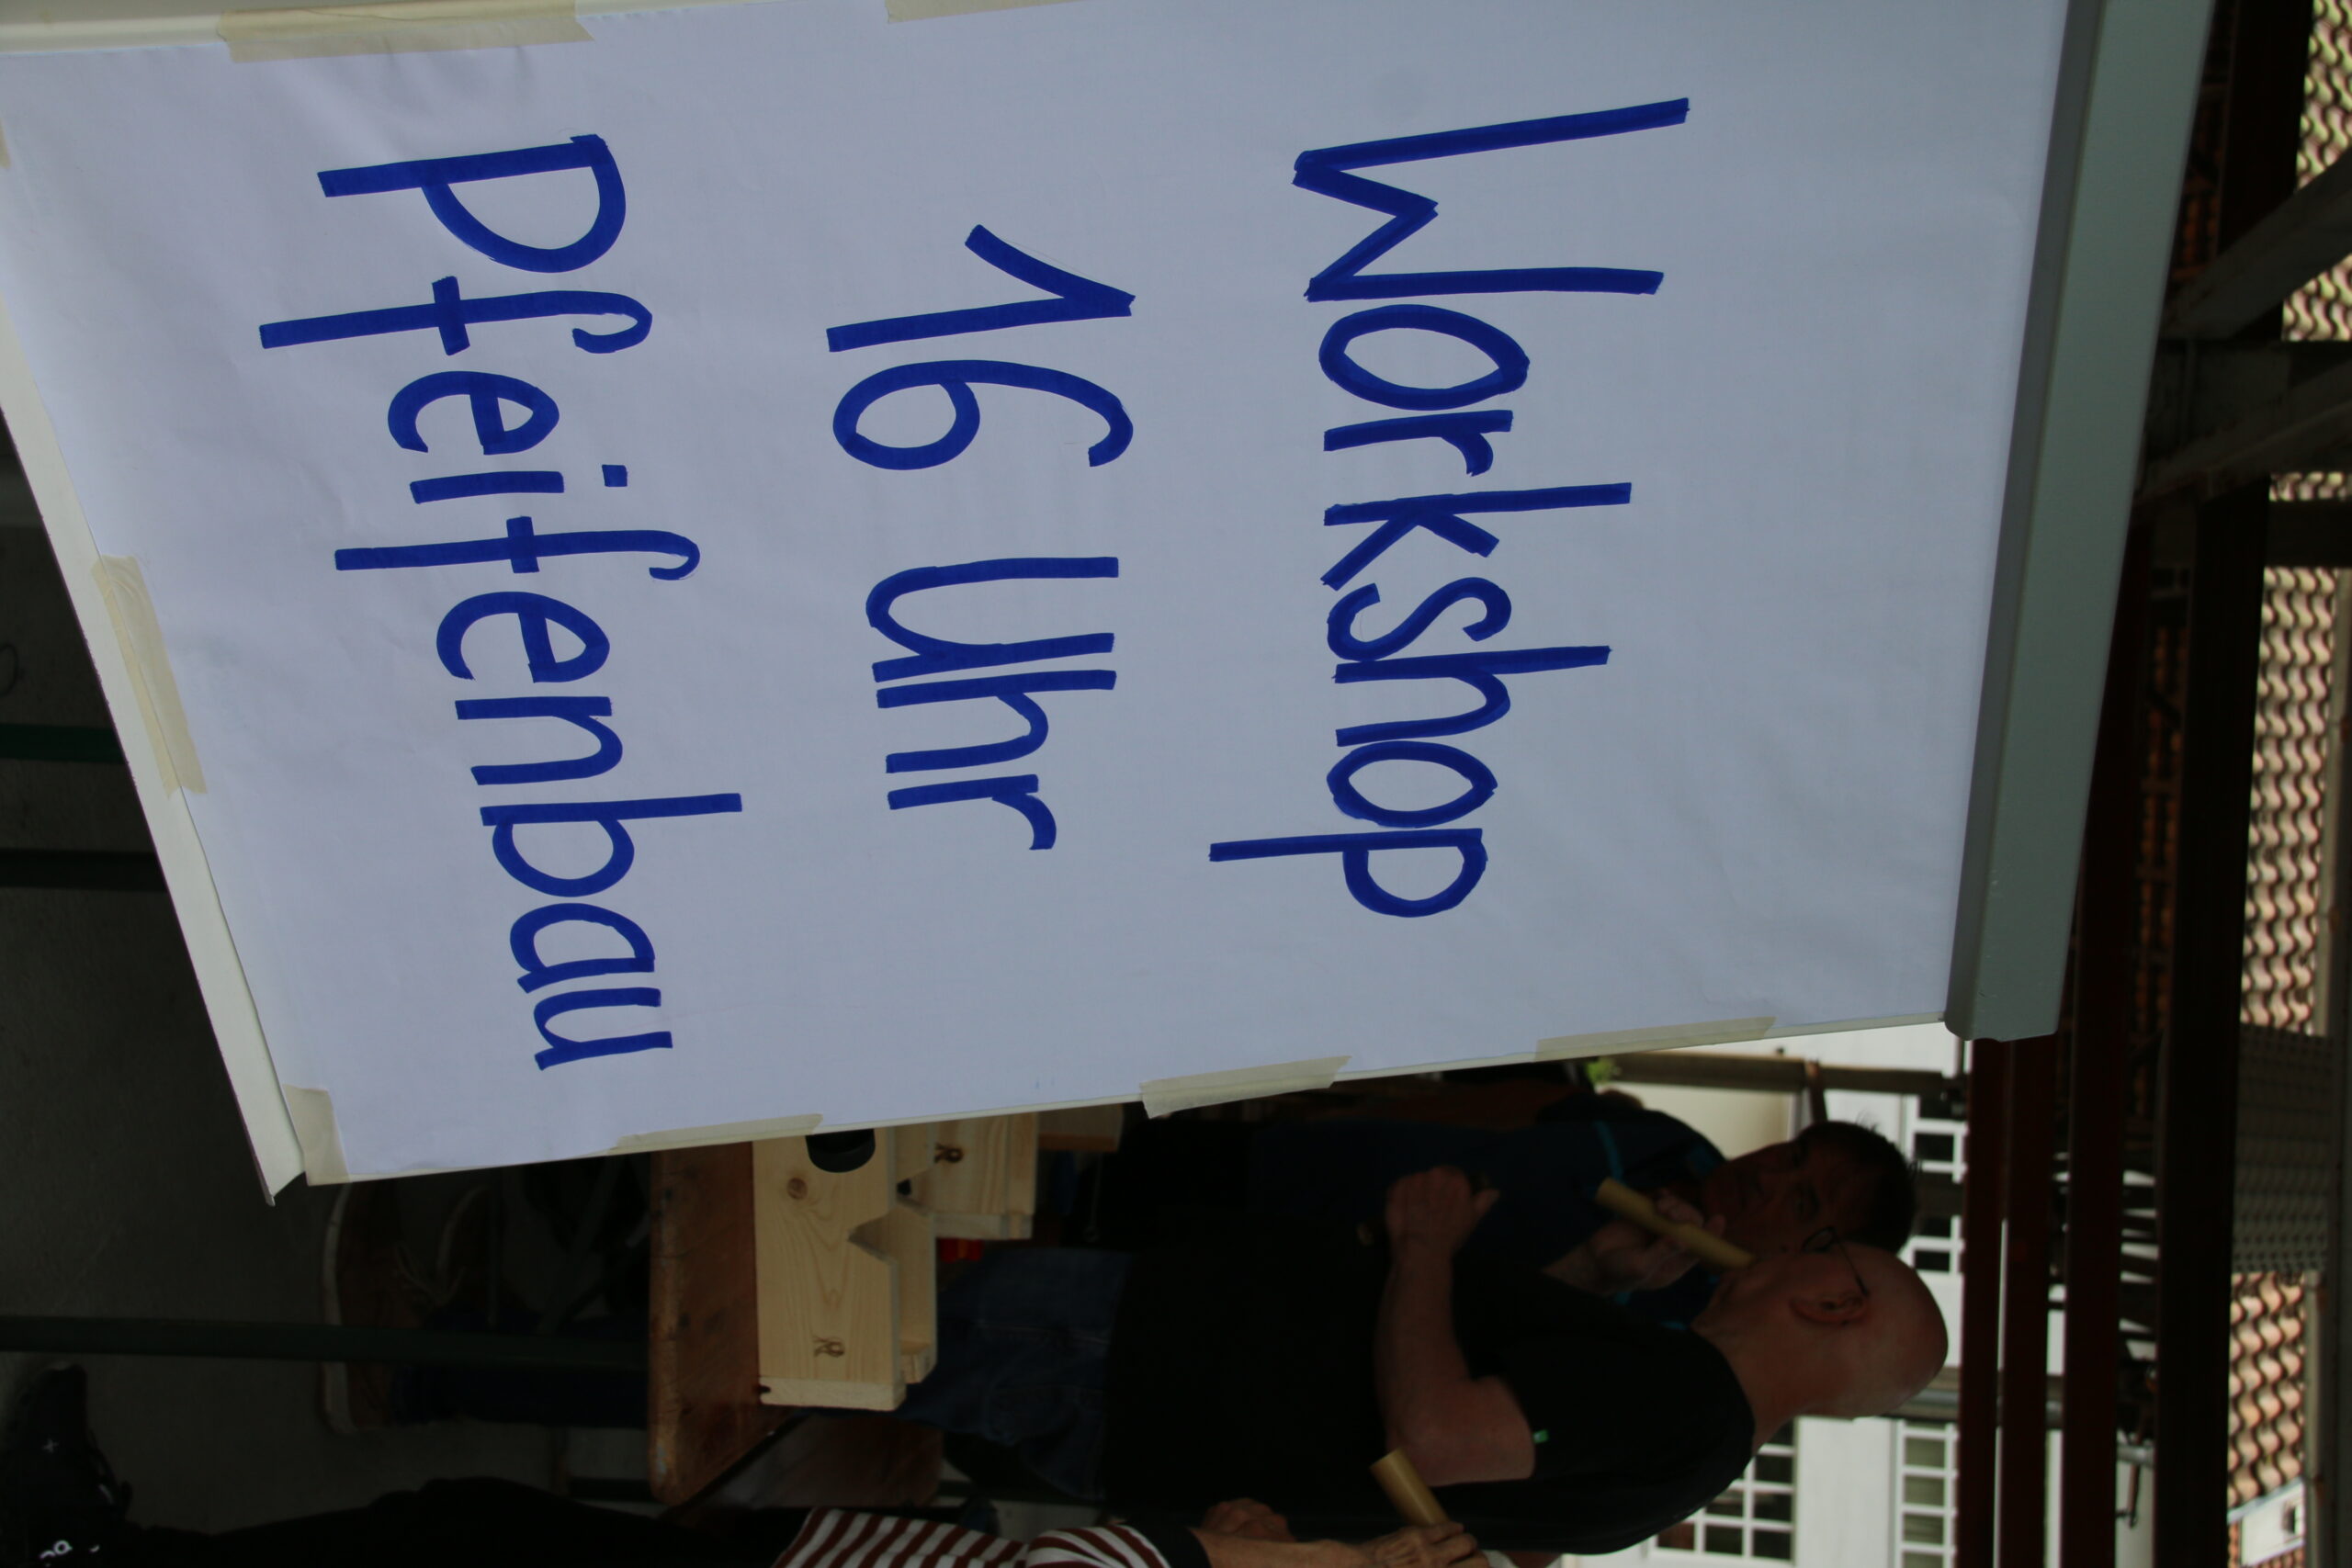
(1455, 1427)
(1621, 1256)
(1436, 1209)
(1420, 1546)
(1249, 1518)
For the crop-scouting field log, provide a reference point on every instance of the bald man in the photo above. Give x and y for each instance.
(1278, 1358)
(1843, 1330)
(1830, 1329)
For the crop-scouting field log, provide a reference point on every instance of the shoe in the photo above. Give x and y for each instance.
(367, 1280)
(59, 1502)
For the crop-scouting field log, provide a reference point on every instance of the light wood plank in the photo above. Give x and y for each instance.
(982, 1182)
(905, 1234)
(829, 1301)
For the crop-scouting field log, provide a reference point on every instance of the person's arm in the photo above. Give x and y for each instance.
(1455, 1427)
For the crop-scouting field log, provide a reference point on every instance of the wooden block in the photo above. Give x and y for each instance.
(912, 1146)
(1090, 1129)
(905, 1234)
(982, 1182)
(914, 1240)
(829, 1300)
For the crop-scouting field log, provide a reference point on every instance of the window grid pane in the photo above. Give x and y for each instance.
(1924, 1494)
(1936, 1150)
(1754, 1520)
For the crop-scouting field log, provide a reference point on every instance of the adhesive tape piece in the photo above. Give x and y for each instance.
(1665, 1037)
(1162, 1096)
(313, 1113)
(1851, 1025)
(724, 1132)
(4, 151)
(124, 587)
(924, 10)
(398, 27)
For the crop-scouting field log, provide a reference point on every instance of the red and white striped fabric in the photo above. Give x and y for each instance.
(837, 1538)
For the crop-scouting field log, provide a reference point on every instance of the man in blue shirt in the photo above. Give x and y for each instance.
(1833, 1174)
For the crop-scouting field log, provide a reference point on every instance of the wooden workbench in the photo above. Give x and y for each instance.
(703, 1409)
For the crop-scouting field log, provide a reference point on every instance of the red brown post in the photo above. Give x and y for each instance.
(1986, 1162)
(2095, 1098)
(2196, 1128)
(2025, 1304)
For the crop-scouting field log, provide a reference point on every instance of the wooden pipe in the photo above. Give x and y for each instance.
(1415, 1502)
(1704, 1244)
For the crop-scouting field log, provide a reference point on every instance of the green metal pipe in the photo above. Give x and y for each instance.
(59, 743)
(316, 1342)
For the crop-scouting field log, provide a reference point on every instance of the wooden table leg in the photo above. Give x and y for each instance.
(703, 1409)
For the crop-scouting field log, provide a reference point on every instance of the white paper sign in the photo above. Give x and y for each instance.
(777, 562)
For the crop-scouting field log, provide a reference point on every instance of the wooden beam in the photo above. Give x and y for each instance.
(2201, 388)
(1771, 1075)
(2287, 435)
(2300, 239)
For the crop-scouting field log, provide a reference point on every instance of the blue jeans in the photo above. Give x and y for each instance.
(1024, 1347)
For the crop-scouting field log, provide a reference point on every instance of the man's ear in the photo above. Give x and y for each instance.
(1845, 1307)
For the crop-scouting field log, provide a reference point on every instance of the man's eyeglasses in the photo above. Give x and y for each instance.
(1826, 1239)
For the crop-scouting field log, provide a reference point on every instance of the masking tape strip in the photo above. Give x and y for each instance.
(924, 10)
(1848, 1026)
(1661, 1038)
(724, 1132)
(313, 1114)
(397, 26)
(124, 587)
(1162, 1096)
(4, 151)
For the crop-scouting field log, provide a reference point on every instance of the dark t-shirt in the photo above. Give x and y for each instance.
(1341, 1169)
(1241, 1367)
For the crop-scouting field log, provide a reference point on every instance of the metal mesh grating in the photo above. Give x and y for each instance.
(2285, 1164)
(2286, 871)
(2286, 883)
(2265, 1384)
